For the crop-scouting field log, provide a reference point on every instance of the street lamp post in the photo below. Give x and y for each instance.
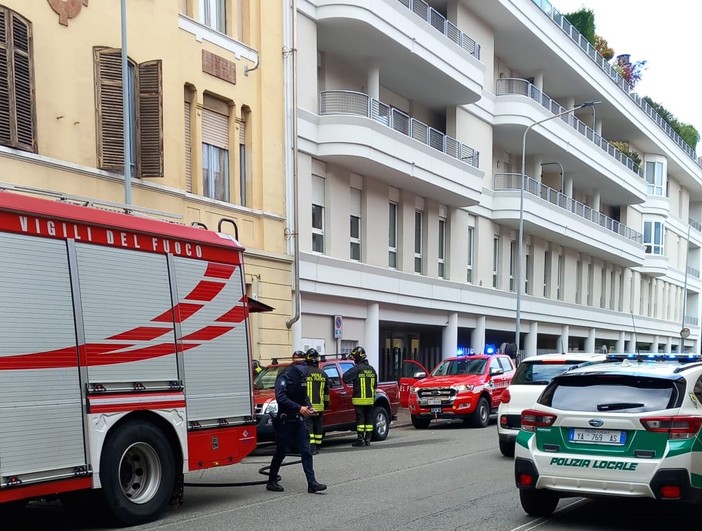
(521, 212)
(683, 331)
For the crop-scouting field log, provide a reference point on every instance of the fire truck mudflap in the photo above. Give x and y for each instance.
(124, 355)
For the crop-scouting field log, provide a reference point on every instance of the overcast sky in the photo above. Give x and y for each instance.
(666, 35)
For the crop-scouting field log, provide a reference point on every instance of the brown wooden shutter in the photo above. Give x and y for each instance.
(110, 122)
(150, 120)
(188, 150)
(5, 109)
(23, 85)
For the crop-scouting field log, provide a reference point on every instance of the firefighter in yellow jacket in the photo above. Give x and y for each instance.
(318, 395)
(365, 380)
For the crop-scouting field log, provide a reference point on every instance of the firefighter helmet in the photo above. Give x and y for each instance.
(312, 356)
(358, 354)
(298, 356)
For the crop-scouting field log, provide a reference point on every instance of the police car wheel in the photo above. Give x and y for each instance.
(538, 502)
(507, 448)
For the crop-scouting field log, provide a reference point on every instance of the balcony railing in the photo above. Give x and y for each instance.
(439, 22)
(693, 271)
(593, 54)
(511, 181)
(523, 87)
(692, 320)
(360, 104)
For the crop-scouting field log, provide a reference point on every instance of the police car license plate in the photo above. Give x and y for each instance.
(584, 435)
(434, 401)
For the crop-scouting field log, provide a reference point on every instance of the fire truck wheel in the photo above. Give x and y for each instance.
(420, 423)
(137, 472)
(481, 416)
(381, 424)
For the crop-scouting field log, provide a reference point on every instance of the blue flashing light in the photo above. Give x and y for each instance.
(490, 349)
(652, 357)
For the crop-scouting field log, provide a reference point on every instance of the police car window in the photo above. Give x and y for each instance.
(333, 374)
(601, 393)
(538, 373)
(698, 389)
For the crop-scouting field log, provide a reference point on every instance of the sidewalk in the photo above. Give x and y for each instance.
(403, 418)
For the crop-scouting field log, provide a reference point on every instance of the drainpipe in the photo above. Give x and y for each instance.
(291, 126)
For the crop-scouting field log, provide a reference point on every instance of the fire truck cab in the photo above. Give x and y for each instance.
(124, 355)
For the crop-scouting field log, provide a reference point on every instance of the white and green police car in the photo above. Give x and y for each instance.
(629, 428)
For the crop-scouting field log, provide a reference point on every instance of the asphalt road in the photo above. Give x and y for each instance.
(444, 478)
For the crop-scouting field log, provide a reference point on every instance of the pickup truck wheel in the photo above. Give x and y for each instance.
(381, 424)
(481, 416)
(137, 472)
(538, 502)
(419, 423)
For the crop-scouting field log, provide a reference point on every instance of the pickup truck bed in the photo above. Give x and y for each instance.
(340, 416)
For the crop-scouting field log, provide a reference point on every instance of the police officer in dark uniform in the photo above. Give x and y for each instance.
(365, 380)
(293, 407)
(318, 395)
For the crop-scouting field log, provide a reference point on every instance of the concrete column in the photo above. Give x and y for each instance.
(296, 334)
(477, 336)
(539, 81)
(669, 345)
(568, 187)
(621, 343)
(654, 345)
(590, 341)
(449, 336)
(596, 200)
(372, 334)
(563, 340)
(631, 347)
(530, 341)
(373, 81)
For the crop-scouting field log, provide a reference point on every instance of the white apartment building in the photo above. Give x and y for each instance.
(410, 123)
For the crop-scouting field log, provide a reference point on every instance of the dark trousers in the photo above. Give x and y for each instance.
(286, 432)
(314, 427)
(364, 420)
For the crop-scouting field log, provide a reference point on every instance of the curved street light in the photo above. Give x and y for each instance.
(521, 212)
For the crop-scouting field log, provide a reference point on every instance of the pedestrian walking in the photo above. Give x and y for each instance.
(318, 395)
(365, 380)
(293, 408)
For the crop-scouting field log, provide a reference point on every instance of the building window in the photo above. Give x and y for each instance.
(578, 281)
(527, 270)
(471, 250)
(442, 248)
(654, 178)
(590, 281)
(547, 273)
(213, 14)
(145, 102)
(188, 133)
(244, 163)
(215, 152)
(603, 287)
(392, 235)
(495, 261)
(560, 278)
(612, 291)
(318, 214)
(654, 234)
(17, 104)
(512, 263)
(355, 225)
(418, 222)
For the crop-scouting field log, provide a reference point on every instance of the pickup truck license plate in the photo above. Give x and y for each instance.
(434, 401)
(584, 435)
(436, 410)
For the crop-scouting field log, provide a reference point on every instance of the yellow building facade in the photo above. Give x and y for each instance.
(205, 98)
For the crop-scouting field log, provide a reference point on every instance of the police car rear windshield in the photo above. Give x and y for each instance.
(602, 393)
(541, 372)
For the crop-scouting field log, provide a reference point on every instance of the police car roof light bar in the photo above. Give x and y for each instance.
(681, 358)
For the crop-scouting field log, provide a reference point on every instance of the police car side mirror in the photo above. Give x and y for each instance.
(420, 374)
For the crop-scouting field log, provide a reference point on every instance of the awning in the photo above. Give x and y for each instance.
(256, 306)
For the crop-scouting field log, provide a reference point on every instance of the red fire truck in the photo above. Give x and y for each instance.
(124, 355)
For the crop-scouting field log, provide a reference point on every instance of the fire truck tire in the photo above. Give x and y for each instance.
(381, 424)
(420, 423)
(137, 472)
(481, 416)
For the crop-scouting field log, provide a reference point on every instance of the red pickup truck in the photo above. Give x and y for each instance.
(465, 387)
(341, 415)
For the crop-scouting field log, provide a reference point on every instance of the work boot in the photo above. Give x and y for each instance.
(316, 487)
(360, 442)
(368, 438)
(274, 486)
(313, 449)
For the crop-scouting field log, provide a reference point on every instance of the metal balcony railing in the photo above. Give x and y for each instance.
(439, 23)
(693, 271)
(360, 104)
(692, 320)
(593, 54)
(523, 87)
(511, 181)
